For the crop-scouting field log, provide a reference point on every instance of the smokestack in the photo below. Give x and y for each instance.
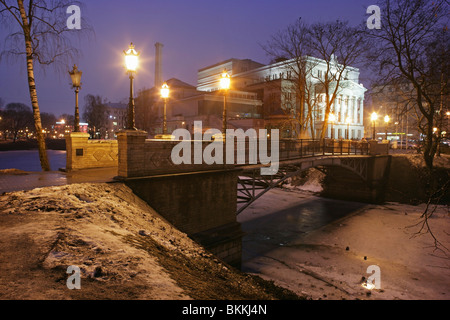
(158, 65)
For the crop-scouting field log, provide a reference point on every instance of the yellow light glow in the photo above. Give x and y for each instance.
(387, 119)
(225, 80)
(374, 116)
(165, 91)
(131, 58)
(332, 117)
(368, 285)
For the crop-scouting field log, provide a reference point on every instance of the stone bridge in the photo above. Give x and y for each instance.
(202, 200)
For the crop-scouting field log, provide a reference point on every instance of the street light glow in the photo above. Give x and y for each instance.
(332, 117)
(165, 91)
(131, 58)
(225, 80)
(374, 116)
(387, 119)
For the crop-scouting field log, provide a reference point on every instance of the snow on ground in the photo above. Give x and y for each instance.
(330, 262)
(123, 248)
(416, 159)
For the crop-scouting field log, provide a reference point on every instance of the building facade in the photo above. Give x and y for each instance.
(276, 86)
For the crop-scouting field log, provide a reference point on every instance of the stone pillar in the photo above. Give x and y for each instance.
(131, 152)
(75, 147)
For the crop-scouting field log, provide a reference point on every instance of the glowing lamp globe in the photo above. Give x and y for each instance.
(225, 80)
(165, 91)
(131, 58)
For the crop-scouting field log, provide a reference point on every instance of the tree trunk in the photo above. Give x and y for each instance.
(32, 88)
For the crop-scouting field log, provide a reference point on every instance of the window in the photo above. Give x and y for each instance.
(319, 74)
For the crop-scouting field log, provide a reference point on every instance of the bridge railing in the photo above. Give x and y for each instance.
(300, 148)
(139, 156)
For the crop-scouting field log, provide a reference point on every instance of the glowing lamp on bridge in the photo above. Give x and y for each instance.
(165, 94)
(225, 80)
(131, 63)
(165, 91)
(224, 85)
(131, 58)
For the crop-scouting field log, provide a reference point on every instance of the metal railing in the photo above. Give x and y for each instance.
(300, 148)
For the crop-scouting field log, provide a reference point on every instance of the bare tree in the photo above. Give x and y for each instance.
(16, 117)
(39, 32)
(48, 120)
(413, 46)
(146, 106)
(336, 46)
(95, 113)
(341, 47)
(292, 47)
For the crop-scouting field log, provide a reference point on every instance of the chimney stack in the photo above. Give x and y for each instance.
(158, 65)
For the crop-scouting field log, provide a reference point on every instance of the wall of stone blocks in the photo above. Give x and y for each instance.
(83, 153)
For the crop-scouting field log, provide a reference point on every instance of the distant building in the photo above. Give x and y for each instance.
(272, 85)
(398, 102)
(187, 104)
(116, 119)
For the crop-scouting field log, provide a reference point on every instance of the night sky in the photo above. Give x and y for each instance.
(195, 34)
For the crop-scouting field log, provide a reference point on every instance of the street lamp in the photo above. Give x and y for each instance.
(386, 121)
(131, 63)
(348, 121)
(225, 85)
(332, 119)
(374, 118)
(75, 75)
(165, 94)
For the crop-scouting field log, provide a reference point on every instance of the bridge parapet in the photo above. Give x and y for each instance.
(142, 157)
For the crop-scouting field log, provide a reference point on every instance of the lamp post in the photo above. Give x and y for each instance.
(75, 76)
(225, 85)
(165, 94)
(374, 118)
(386, 121)
(332, 119)
(131, 63)
(348, 120)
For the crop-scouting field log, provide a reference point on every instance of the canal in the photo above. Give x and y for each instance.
(28, 160)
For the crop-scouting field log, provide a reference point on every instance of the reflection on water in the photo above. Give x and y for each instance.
(28, 160)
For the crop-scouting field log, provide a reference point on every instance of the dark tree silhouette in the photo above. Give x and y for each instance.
(16, 117)
(412, 47)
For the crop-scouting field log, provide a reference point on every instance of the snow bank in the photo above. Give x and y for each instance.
(124, 249)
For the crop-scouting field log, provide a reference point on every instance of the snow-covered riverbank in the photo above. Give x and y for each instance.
(331, 261)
